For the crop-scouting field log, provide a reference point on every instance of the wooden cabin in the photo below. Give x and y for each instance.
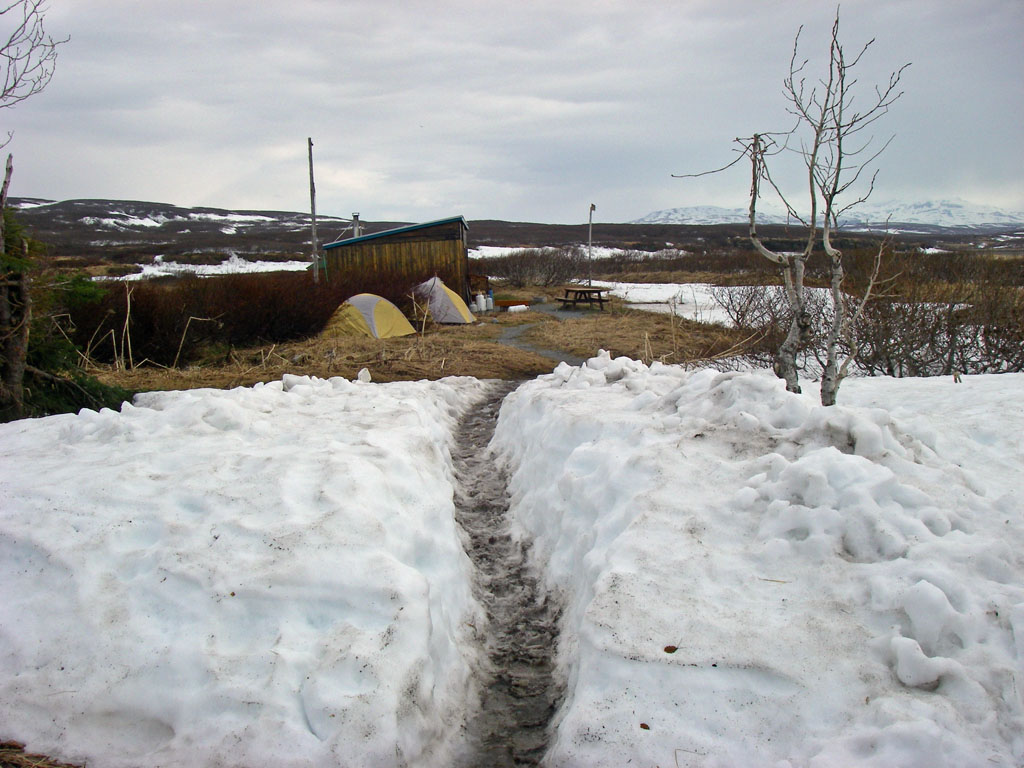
(419, 251)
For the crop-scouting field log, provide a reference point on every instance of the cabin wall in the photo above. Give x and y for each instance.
(416, 255)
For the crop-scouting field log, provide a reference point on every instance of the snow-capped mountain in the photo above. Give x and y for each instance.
(947, 214)
(706, 215)
(939, 213)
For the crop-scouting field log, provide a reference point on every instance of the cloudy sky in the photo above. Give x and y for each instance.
(513, 109)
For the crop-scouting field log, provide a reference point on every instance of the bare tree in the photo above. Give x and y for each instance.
(828, 138)
(28, 56)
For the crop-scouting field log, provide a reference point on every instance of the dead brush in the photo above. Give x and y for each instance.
(637, 334)
(13, 755)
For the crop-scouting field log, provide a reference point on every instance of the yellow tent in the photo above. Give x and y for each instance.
(366, 314)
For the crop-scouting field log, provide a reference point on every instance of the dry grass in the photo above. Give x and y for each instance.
(12, 755)
(445, 351)
(505, 291)
(646, 336)
(523, 318)
(468, 350)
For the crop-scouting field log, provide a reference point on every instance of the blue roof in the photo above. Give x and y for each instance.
(396, 230)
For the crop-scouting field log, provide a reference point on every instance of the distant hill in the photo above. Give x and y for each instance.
(132, 231)
(85, 233)
(932, 216)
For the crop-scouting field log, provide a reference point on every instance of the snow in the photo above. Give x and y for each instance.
(196, 580)
(123, 223)
(842, 586)
(272, 575)
(237, 218)
(21, 204)
(955, 212)
(126, 220)
(490, 251)
(233, 265)
(707, 215)
(596, 252)
(694, 301)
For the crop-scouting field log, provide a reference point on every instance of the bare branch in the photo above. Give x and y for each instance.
(708, 173)
(28, 55)
(756, 152)
(743, 152)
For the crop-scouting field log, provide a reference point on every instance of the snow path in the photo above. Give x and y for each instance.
(520, 691)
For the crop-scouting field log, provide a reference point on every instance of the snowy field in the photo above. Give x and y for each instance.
(233, 265)
(596, 252)
(694, 301)
(125, 221)
(272, 575)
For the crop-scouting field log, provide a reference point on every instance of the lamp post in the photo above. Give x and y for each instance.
(590, 241)
(315, 256)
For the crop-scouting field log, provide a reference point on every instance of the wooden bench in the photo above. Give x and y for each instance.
(575, 295)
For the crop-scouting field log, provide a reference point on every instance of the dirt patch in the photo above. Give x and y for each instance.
(521, 690)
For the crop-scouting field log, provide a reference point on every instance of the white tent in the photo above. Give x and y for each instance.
(446, 306)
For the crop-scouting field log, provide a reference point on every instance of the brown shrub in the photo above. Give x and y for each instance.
(169, 321)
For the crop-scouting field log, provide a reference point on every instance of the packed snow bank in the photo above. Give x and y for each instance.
(273, 576)
(265, 576)
(757, 580)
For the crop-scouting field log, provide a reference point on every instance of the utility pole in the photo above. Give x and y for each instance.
(590, 241)
(315, 256)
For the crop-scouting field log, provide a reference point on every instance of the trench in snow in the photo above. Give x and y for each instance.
(521, 689)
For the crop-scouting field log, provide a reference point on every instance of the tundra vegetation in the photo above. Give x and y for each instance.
(95, 342)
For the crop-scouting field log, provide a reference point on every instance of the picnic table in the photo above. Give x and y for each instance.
(578, 294)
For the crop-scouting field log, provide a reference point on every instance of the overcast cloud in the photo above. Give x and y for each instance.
(509, 110)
